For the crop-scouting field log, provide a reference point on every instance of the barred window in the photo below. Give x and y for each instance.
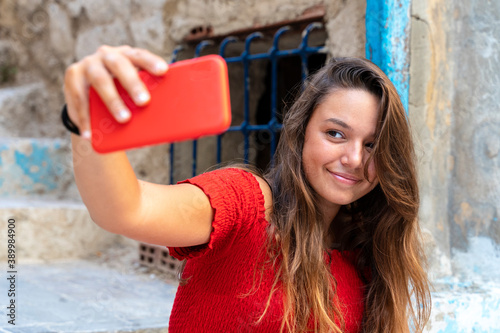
(266, 67)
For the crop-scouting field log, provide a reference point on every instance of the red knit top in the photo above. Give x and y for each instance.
(218, 296)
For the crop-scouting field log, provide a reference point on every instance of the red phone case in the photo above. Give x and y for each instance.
(191, 100)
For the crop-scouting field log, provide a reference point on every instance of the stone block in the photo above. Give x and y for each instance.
(151, 163)
(149, 33)
(350, 18)
(27, 111)
(226, 16)
(14, 55)
(115, 34)
(52, 230)
(99, 13)
(9, 63)
(61, 38)
(29, 5)
(146, 8)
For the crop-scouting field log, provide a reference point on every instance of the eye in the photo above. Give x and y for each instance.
(370, 145)
(335, 134)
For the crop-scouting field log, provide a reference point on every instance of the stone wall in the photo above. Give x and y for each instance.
(45, 36)
(40, 38)
(475, 148)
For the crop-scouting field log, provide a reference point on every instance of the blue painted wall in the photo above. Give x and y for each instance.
(388, 39)
(33, 167)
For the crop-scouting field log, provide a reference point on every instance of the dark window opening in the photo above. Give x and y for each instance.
(289, 83)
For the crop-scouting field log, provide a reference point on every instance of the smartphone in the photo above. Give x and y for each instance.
(189, 101)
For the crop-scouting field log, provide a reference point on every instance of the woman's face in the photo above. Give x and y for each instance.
(338, 141)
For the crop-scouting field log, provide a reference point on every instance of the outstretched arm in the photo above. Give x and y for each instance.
(173, 215)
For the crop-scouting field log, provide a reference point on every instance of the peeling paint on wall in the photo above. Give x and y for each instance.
(387, 40)
(480, 263)
(469, 300)
(31, 166)
(465, 308)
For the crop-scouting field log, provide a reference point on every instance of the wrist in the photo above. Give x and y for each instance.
(67, 122)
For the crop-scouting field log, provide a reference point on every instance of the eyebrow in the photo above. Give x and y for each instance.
(339, 122)
(343, 124)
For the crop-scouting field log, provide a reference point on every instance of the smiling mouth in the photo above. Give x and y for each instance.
(345, 178)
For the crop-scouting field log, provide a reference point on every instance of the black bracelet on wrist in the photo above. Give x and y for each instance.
(70, 126)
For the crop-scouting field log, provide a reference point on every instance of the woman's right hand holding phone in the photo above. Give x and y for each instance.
(98, 70)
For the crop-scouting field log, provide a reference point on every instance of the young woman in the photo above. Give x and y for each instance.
(326, 241)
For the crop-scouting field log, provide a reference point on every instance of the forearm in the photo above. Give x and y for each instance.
(107, 185)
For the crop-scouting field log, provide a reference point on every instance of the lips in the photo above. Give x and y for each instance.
(346, 178)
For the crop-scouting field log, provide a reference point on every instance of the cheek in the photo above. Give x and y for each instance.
(307, 164)
(311, 158)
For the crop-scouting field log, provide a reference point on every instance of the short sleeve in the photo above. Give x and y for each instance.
(238, 204)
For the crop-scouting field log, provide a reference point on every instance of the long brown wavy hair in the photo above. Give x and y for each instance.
(381, 227)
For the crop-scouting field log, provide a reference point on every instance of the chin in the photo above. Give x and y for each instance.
(342, 201)
(347, 200)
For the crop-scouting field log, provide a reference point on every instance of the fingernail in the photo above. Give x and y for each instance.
(123, 115)
(161, 67)
(142, 97)
(86, 135)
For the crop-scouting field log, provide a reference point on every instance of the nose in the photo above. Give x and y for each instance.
(353, 155)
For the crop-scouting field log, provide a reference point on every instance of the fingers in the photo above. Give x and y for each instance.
(75, 91)
(99, 70)
(98, 76)
(122, 63)
(144, 59)
(123, 69)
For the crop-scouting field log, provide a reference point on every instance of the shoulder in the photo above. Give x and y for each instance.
(241, 176)
(265, 191)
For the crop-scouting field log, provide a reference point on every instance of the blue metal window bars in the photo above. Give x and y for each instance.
(304, 51)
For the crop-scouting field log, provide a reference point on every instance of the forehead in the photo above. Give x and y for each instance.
(356, 108)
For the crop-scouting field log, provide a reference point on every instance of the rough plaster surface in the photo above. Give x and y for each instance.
(151, 163)
(480, 263)
(225, 16)
(430, 109)
(24, 108)
(339, 16)
(475, 205)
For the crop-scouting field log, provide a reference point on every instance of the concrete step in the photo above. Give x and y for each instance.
(33, 167)
(85, 296)
(27, 111)
(49, 230)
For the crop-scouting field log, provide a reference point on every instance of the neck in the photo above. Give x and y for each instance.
(329, 212)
